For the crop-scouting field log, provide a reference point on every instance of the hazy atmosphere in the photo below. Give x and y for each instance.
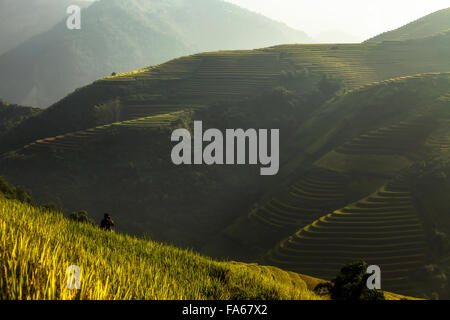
(346, 20)
(224, 152)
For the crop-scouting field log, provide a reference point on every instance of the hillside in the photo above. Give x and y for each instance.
(118, 36)
(430, 25)
(352, 118)
(37, 246)
(120, 267)
(35, 16)
(194, 81)
(362, 181)
(118, 129)
(12, 115)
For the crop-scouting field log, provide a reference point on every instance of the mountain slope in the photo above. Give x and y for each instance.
(194, 81)
(118, 36)
(120, 267)
(430, 25)
(73, 148)
(12, 115)
(30, 18)
(109, 142)
(37, 246)
(358, 143)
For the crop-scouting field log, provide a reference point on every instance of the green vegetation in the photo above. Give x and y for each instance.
(382, 229)
(12, 115)
(430, 25)
(365, 132)
(9, 191)
(37, 246)
(351, 202)
(155, 32)
(81, 216)
(379, 133)
(75, 140)
(431, 187)
(350, 285)
(194, 81)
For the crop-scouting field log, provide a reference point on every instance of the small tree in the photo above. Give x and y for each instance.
(81, 216)
(14, 193)
(350, 284)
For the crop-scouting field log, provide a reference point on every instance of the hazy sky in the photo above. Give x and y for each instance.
(360, 18)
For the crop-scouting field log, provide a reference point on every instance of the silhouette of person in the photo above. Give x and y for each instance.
(107, 223)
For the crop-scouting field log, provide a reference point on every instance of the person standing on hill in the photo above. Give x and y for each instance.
(107, 223)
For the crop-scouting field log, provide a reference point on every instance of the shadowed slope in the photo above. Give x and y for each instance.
(383, 229)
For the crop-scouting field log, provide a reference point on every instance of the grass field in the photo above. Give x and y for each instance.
(37, 246)
(204, 79)
(374, 125)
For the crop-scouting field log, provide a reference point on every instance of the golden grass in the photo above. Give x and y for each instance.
(37, 246)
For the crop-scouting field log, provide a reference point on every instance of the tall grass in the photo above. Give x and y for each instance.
(37, 247)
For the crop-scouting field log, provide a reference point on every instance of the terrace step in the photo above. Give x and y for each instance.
(317, 192)
(400, 138)
(383, 229)
(74, 141)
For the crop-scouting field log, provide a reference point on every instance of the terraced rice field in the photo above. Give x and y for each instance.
(383, 229)
(346, 62)
(75, 140)
(402, 138)
(317, 192)
(151, 105)
(176, 69)
(224, 74)
(228, 75)
(439, 141)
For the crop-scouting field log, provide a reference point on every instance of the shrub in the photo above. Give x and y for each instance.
(14, 193)
(81, 216)
(350, 284)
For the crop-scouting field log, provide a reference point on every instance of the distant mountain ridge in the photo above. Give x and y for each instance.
(119, 36)
(430, 25)
(35, 16)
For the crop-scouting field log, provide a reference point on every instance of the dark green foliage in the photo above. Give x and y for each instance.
(15, 193)
(350, 285)
(12, 115)
(328, 85)
(81, 216)
(129, 172)
(439, 244)
(50, 206)
(436, 278)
